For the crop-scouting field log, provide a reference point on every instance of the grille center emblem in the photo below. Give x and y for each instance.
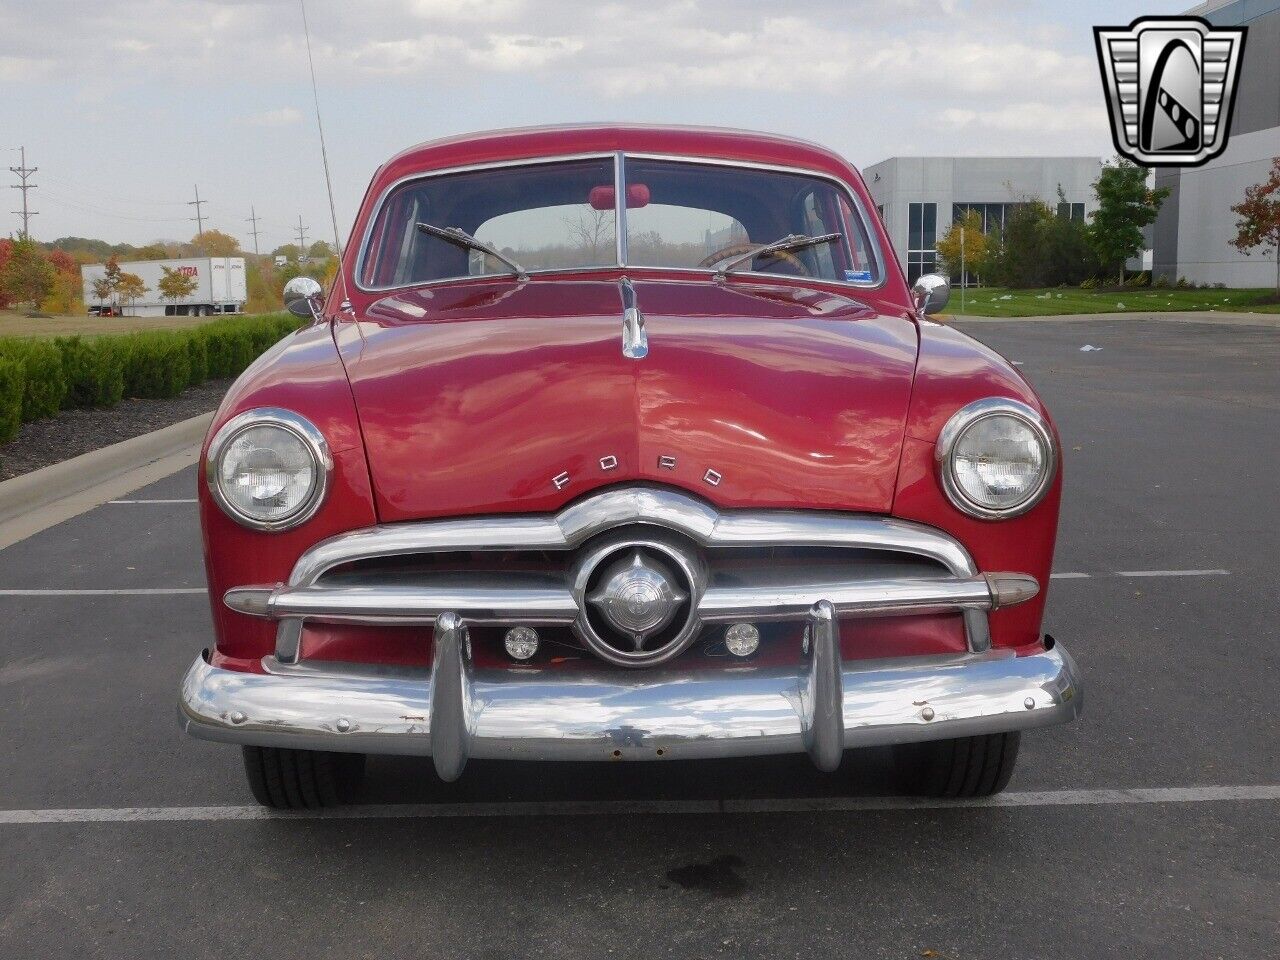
(638, 596)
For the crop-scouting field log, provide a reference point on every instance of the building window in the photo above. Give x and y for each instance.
(1071, 211)
(994, 215)
(880, 211)
(922, 239)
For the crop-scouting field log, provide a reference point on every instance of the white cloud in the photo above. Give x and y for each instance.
(282, 117)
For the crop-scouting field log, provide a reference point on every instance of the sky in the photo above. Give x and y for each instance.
(126, 105)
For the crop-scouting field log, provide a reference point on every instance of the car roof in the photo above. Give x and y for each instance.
(496, 146)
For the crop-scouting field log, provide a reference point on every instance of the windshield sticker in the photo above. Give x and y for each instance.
(858, 276)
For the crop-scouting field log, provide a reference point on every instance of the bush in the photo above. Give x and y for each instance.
(1088, 283)
(38, 377)
(229, 348)
(44, 386)
(1183, 284)
(1161, 281)
(12, 381)
(197, 360)
(156, 365)
(1138, 280)
(93, 370)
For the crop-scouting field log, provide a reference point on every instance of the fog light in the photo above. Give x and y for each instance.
(521, 642)
(742, 639)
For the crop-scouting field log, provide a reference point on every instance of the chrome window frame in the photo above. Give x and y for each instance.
(620, 158)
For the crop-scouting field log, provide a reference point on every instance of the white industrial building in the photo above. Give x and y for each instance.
(1192, 236)
(919, 197)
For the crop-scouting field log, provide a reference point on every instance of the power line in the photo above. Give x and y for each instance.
(253, 218)
(199, 217)
(24, 172)
(302, 238)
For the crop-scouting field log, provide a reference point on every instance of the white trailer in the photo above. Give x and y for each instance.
(220, 288)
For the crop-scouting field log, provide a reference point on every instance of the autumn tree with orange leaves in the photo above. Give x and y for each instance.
(1259, 223)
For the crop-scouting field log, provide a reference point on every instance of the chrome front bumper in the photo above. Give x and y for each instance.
(453, 711)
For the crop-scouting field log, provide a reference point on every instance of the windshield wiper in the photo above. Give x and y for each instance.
(792, 241)
(460, 238)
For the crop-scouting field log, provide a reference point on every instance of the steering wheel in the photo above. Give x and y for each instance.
(738, 249)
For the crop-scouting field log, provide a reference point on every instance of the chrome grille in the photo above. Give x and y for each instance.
(741, 565)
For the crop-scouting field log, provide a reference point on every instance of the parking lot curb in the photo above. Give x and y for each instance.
(38, 500)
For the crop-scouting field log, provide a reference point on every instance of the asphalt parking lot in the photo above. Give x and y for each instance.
(119, 837)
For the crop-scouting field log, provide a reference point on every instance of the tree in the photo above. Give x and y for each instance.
(215, 243)
(65, 295)
(102, 290)
(1259, 223)
(320, 251)
(289, 251)
(27, 276)
(975, 246)
(174, 284)
(130, 288)
(1125, 206)
(6, 251)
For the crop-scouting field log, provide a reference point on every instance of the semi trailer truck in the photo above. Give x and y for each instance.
(220, 288)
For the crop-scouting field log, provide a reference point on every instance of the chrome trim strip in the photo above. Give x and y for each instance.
(762, 603)
(620, 207)
(294, 423)
(620, 215)
(543, 602)
(533, 713)
(966, 417)
(537, 604)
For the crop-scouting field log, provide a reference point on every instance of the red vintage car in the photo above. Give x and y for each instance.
(626, 443)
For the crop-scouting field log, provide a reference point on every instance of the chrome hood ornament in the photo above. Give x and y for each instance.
(635, 342)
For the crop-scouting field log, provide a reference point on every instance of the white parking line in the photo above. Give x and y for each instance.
(192, 500)
(586, 808)
(1141, 573)
(140, 592)
(1173, 573)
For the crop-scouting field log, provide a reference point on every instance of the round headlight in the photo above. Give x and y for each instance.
(268, 469)
(996, 458)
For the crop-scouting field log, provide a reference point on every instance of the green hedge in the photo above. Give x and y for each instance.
(39, 376)
(12, 381)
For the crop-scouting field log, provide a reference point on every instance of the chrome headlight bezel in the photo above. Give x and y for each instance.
(301, 428)
(966, 417)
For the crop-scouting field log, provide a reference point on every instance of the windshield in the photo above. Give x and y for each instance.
(561, 216)
(703, 216)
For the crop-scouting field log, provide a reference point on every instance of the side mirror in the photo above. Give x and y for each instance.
(304, 297)
(931, 293)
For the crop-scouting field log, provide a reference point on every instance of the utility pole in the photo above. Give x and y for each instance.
(199, 217)
(253, 218)
(24, 172)
(302, 238)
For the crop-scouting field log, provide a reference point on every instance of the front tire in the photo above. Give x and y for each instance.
(302, 779)
(964, 767)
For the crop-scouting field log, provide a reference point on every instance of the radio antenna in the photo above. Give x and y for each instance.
(324, 154)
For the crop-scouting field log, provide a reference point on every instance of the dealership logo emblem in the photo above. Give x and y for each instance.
(1170, 84)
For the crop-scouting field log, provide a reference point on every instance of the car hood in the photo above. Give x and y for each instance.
(493, 396)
